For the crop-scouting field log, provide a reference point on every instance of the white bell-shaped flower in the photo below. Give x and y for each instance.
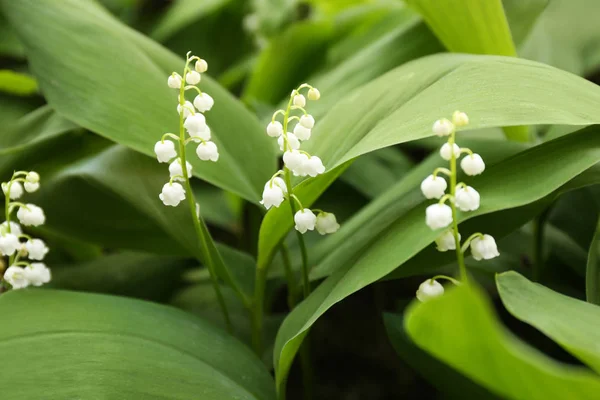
(201, 135)
(313, 166)
(445, 152)
(36, 248)
(302, 132)
(433, 187)
(9, 243)
(292, 142)
(460, 119)
(31, 187)
(201, 66)
(294, 160)
(274, 129)
(176, 171)
(37, 274)
(31, 215)
(32, 177)
(472, 164)
(326, 223)
(16, 189)
(466, 198)
(299, 100)
(443, 127)
(274, 193)
(446, 241)
(188, 109)
(195, 123)
(17, 277)
(207, 151)
(15, 228)
(172, 194)
(305, 220)
(204, 102)
(174, 81)
(314, 94)
(484, 248)
(438, 216)
(193, 78)
(429, 289)
(165, 151)
(307, 121)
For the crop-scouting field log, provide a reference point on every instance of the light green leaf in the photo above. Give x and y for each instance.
(16, 83)
(522, 15)
(570, 322)
(592, 276)
(461, 330)
(117, 88)
(174, 355)
(515, 182)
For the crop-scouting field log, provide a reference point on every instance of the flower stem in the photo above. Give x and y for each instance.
(197, 219)
(459, 254)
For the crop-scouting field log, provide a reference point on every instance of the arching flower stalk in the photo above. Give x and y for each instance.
(461, 197)
(21, 249)
(171, 149)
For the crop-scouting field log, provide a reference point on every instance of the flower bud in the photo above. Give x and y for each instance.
(305, 220)
(460, 119)
(433, 187)
(446, 241)
(438, 216)
(446, 154)
(292, 142)
(314, 94)
(172, 194)
(32, 177)
(274, 129)
(174, 81)
(193, 78)
(16, 189)
(31, 187)
(207, 151)
(294, 159)
(201, 66)
(307, 121)
(443, 127)
(429, 289)
(302, 132)
(466, 198)
(326, 223)
(195, 123)
(176, 171)
(299, 100)
(188, 109)
(472, 164)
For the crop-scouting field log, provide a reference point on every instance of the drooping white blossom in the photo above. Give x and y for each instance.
(299, 100)
(172, 194)
(195, 123)
(188, 109)
(314, 94)
(199, 136)
(446, 241)
(472, 164)
(31, 215)
(466, 198)
(274, 129)
(302, 132)
(165, 151)
(460, 119)
(207, 151)
(433, 187)
(326, 223)
(484, 248)
(294, 160)
(15, 228)
(292, 142)
(31, 187)
(36, 248)
(443, 127)
(176, 172)
(174, 81)
(313, 166)
(9, 243)
(37, 274)
(445, 152)
(16, 189)
(429, 289)
(201, 66)
(32, 177)
(438, 216)
(274, 193)
(204, 102)
(193, 78)
(305, 220)
(16, 276)
(307, 121)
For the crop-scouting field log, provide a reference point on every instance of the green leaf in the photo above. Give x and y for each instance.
(522, 15)
(461, 330)
(570, 322)
(139, 350)
(443, 377)
(16, 83)
(592, 276)
(117, 88)
(376, 251)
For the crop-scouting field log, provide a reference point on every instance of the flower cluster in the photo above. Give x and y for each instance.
(21, 274)
(192, 120)
(297, 162)
(443, 216)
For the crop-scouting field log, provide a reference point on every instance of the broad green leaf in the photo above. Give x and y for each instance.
(570, 322)
(522, 16)
(592, 276)
(139, 350)
(183, 13)
(515, 182)
(10, 44)
(117, 88)
(16, 83)
(443, 377)
(460, 329)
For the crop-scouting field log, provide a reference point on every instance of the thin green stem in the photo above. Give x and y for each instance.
(289, 276)
(202, 239)
(459, 254)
